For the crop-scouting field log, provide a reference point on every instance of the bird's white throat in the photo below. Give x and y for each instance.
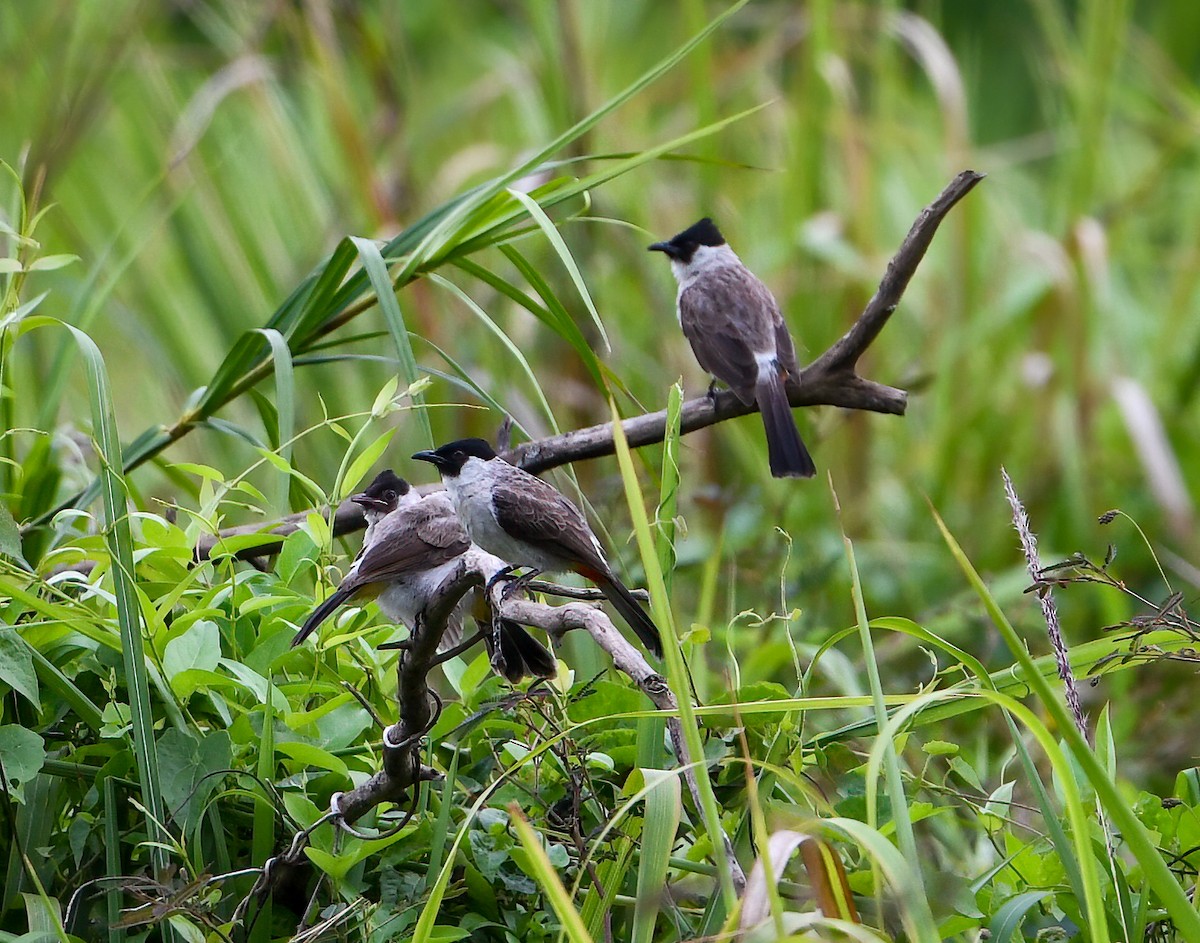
(704, 260)
(471, 492)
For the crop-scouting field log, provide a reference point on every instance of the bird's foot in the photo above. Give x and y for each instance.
(519, 584)
(711, 393)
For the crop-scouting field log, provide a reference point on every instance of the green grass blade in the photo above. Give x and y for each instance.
(668, 491)
(547, 877)
(262, 842)
(463, 379)
(1138, 840)
(612, 876)
(285, 403)
(564, 254)
(129, 617)
(892, 772)
(52, 677)
(663, 805)
(555, 315)
(381, 282)
(456, 215)
(900, 876)
(676, 669)
(512, 348)
(441, 826)
(112, 859)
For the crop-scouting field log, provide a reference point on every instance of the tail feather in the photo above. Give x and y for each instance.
(523, 655)
(785, 449)
(323, 612)
(631, 611)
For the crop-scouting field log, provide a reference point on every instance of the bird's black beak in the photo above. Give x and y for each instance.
(664, 247)
(431, 457)
(368, 503)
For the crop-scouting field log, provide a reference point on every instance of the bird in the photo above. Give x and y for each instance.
(412, 545)
(738, 335)
(522, 519)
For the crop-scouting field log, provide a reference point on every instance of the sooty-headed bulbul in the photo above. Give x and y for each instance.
(524, 520)
(739, 336)
(411, 547)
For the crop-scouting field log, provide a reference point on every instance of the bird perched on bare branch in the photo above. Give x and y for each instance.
(527, 522)
(739, 336)
(410, 549)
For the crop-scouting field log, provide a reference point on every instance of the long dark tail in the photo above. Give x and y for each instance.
(524, 656)
(521, 655)
(785, 449)
(630, 609)
(323, 612)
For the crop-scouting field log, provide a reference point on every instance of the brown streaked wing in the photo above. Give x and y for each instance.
(419, 538)
(785, 352)
(533, 511)
(727, 321)
(439, 526)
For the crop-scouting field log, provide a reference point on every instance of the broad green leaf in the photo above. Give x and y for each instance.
(362, 463)
(308, 755)
(199, 647)
(16, 666)
(10, 535)
(49, 263)
(192, 763)
(22, 754)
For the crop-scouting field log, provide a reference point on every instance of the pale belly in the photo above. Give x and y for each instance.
(403, 600)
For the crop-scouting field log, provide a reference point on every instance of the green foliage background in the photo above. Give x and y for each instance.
(202, 159)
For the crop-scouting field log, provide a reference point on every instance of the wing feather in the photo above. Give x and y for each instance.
(729, 320)
(531, 510)
(418, 537)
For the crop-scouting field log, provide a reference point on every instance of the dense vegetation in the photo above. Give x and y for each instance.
(203, 207)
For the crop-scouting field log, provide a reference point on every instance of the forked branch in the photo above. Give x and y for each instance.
(403, 742)
(830, 380)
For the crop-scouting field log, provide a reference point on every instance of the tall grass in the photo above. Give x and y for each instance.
(500, 173)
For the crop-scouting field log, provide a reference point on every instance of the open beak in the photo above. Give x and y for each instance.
(431, 457)
(368, 503)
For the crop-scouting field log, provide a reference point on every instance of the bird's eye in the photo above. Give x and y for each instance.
(389, 496)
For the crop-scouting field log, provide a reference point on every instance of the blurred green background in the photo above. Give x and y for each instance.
(203, 157)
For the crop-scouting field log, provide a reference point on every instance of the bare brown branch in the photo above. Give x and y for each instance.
(830, 380)
(843, 356)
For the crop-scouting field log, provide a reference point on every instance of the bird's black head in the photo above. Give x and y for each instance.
(382, 494)
(451, 457)
(682, 246)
